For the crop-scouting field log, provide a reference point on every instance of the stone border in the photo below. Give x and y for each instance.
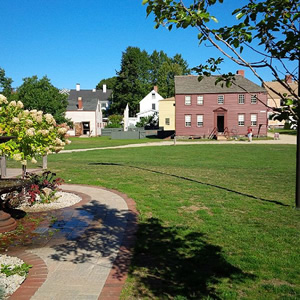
(36, 277)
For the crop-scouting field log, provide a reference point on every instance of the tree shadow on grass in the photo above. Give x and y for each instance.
(174, 262)
(193, 180)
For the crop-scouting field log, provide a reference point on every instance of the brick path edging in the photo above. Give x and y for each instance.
(118, 274)
(117, 277)
(36, 276)
(114, 283)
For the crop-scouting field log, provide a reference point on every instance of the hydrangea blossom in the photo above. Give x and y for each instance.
(37, 133)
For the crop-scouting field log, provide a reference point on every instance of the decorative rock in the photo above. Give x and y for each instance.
(10, 283)
(63, 200)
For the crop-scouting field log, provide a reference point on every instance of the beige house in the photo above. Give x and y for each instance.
(274, 100)
(167, 113)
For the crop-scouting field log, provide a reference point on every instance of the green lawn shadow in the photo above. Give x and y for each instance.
(177, 263)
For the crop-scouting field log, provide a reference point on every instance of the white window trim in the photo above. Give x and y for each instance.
(241, 96)
(222, 100)
(252, 96)
(200, 102)
(190, 100)
(241, 122)
(201, 125)
(185, 121)
(253, 122)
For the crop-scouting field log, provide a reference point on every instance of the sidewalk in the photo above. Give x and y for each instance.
(284, 139)
(86, 253)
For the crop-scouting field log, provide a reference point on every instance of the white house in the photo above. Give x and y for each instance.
(149, 106)
(85, 110)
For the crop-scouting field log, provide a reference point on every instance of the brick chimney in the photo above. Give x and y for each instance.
(288, 78)
(77, 87)
(240, 72)
(155, 88)
(79, 105)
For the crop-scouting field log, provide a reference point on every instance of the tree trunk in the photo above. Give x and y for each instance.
(23, 171)
(45, 162)
(3, 166)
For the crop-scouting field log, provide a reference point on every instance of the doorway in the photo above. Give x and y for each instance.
(220, 123)
(86, 128)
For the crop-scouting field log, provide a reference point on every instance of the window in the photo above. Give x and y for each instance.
(253, 119)
(103, 105)
(199, 120)
(241, 120)
(167, 121)
(153, 106)
(253, 99)
(188, 120)
(241, 99)
(221, 99)
(153, 95)
(200, 100)
(188, 100)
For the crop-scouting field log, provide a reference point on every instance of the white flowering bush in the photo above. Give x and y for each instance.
(36, 133)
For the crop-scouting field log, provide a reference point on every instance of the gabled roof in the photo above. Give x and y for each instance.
(275, 85)
(190, 85)
(153, 92)
(89, 99)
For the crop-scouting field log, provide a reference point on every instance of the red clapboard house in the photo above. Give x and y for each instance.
(204, 109)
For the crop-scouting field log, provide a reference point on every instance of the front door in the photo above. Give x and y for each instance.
(220, 123)
(86, 128)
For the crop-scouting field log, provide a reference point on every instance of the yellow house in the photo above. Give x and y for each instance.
(273, 98)
(167, 113)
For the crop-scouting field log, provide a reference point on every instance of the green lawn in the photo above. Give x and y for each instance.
(216, 221)
(285, 131)
(104, 141)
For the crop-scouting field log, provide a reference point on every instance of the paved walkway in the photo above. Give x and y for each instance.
(87, 251)
(284, 139)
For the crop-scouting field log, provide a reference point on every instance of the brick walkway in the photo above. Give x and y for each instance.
(87, 253)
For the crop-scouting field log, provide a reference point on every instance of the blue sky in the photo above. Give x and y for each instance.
(81, 41)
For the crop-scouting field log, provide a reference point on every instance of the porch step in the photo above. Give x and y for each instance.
(221, 138)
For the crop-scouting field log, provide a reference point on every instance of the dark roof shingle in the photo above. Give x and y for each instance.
(190, 85)
(89, 98)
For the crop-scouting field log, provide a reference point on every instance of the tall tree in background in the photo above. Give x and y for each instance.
(139, 73)
(5, 84)
(110, 83)
(170, 68)
(268, 29)
(40, 94)
(133, 80)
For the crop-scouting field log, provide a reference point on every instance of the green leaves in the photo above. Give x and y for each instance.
(9, 270)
